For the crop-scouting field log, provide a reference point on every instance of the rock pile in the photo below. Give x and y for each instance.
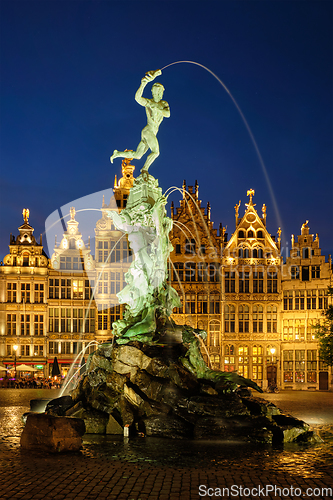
(148, 390)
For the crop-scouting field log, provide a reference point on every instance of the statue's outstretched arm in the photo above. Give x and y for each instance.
(150, 76)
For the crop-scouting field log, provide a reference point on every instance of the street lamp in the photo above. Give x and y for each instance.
(15, 347)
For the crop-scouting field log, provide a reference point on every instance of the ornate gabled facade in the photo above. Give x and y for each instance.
(112, 256)
(257, 310)
(71, 309)
(196, 261)
(306, 277)
(251, 265)
(23, 299)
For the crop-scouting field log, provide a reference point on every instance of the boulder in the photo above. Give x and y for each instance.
(59, 406)
(48, 433)
(165, 426)
(95, 421)
(39, 405)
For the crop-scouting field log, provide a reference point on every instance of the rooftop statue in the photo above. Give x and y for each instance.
(156, 110)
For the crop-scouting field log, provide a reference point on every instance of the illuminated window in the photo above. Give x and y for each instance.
(38, 324)
(214, 333)
(25, 324)
(288, 329)
(202, 303)
(25, 292)
(11, 292)
(11, 324)
(243, 361)
(257, 362)
(102, 317)
(229, 358)
(299, 329)
(77, 289)
(288, 365)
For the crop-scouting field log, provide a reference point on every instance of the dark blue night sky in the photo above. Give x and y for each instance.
(69, 72)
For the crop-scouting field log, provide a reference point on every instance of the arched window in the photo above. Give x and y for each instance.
(229, 318)
(243, 319)
(259, 234)
(271, 319)
(250, 234)
(240, 234)
(257, 319)
(214, 333)
(255, 253)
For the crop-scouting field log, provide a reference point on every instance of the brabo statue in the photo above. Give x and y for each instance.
(156, 110)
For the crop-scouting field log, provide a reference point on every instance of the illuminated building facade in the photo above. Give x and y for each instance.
(257, 310)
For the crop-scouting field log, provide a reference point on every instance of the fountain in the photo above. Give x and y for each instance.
(152, 379)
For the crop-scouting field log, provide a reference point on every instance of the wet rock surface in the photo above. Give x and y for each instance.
(149, 390)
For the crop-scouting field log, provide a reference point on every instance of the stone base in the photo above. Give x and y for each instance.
(52, 434)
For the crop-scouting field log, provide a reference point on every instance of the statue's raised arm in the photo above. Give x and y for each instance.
(156, 110)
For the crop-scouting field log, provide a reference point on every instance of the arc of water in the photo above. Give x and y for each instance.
(261, 161)
(79, 356)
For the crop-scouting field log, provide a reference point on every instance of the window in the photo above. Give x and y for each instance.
(294, 272)
(322, 299)
(243, 319)
(250, 234)
(315, 272)
(229, 358)
(54, 319)
(288, 366)
(214, 333)
(54, 288)
(257, 319)
(229, 282)
(54, 348)
(240, 234)
(39, 292)
(244, 282)
(88, 290)
(25, 324)
(259, 234)
(179, 310)
(115, 283)
(272, 280)
(77, 289)
(257, 362)
(214, 303)
(25, 350)
(229, 318)
(11, 324)
(288, 300)
(89, 321)
(65, 289)
(190, 247)
(190, 303)
(178, 249)
(288, 330)
(202, 304)
(215, 361)
(311, 365)
(202, 272)
(25, 262)
(305, 253)
(311, 299)
(299, 299)
(271, 319)
(11, 292)
(305, 273)
(213, 270)
(178, 271)
(77, 320)
(25, 292)
(38, 324)
(114, 313)
(102, 317)
(299, 329)
(38, 350)
(243, 361)
(258, 282)
(190, 271)
(65, 262)
(299, 365)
